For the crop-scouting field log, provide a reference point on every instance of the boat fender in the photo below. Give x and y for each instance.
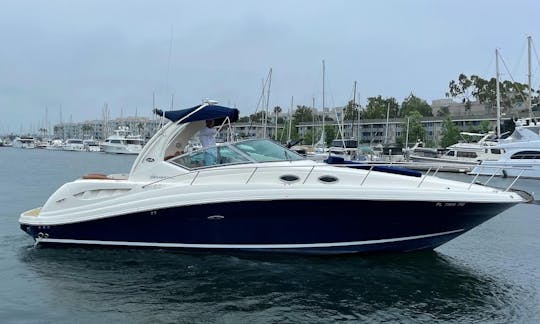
(504, 174)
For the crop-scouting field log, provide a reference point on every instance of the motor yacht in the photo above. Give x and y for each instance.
(55, 145)
(463, 153)
(123, 142)
(523, 163)
(25, 142)
(91, 145)
(256, 195)
(526, 135)
(74, 144)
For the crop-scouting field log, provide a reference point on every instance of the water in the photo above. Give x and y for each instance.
(491, 274)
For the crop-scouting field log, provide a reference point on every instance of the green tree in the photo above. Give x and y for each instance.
(485, 126)
(303, 114)
(417, 131)
(330, 134)
(449, 133)
(86, 129)
(443, 112)
(351, 111)
(413, 103)
(377, 108)
(462, 89)
(308, 137)
(485, 91)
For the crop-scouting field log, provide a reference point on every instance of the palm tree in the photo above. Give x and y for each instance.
(140, 127)
(86, 129)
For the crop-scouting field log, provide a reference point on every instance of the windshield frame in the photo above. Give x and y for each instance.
(237, 154)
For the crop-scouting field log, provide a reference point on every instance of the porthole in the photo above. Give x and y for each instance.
(328, 179)
(289, 178)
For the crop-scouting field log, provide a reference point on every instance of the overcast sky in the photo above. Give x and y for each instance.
(79, 55)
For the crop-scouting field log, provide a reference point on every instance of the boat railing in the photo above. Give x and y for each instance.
(369, 167)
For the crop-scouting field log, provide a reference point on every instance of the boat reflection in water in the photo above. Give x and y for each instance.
(424, 286)
(257, 196)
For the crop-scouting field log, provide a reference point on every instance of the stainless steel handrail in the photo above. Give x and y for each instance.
(196, 173)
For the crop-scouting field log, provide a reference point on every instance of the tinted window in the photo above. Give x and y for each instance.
(264, 151)
(529, 155)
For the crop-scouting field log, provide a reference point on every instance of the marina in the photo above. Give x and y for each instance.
(268, 162)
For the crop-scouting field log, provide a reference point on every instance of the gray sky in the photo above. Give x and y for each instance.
(79, 55)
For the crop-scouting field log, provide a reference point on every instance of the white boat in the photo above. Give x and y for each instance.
(258, 196)
(526, 135)
(74, 144)
(523, 163)
(91, 145)
(122, 142)
(464, 153)
(25, 142)
(55, 145)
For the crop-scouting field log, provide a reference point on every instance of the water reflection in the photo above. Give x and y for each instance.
(145, 285)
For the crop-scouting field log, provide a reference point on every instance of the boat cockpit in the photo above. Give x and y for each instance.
(249, 151)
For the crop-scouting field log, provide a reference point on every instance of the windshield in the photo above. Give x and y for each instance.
(265, 151)
(251, 151)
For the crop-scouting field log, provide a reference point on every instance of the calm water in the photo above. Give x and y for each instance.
(491, 274)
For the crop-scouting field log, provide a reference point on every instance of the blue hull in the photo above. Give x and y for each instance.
(305, 226)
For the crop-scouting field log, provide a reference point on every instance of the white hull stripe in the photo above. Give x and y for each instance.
(242, 246)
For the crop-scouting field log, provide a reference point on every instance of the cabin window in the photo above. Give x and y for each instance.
(467, 154)
(496, 151)
(212, 156)
(289, 178)
(526, 155)
(116, 141)
(328, 179)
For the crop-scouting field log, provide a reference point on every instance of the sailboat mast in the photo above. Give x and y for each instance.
(313, 120)
(498, 94)
(354, 108)
(267, 100)
(529, 76)
(290, 120)
(387, 117)
(323, 102)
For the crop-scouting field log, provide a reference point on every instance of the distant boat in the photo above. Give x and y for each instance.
(55, 145)
(74, 144)
(91, 145)
(25, 142)
(469, 153)
(523, 163)
(122, 142)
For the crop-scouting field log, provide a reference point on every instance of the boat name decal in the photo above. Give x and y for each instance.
(450, 204)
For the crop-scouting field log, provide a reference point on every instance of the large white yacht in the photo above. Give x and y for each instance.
(123, 142)
(256, 195)
(74, 144)
(463, 153)
(25, 142)
(516, 162)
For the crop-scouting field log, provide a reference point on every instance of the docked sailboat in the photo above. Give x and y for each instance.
(257, 196)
